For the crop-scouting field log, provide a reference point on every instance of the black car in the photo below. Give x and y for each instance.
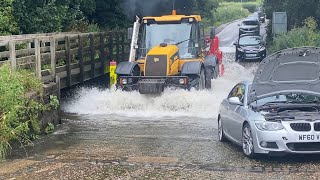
(262, 16)
(249, 26)
(250, 47)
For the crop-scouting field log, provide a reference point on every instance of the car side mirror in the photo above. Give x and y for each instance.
(235, 43)
(130, 32)
(235, 101)
(239, 24)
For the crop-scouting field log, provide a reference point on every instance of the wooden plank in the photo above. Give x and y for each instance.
(53, 56)
(68, 60)
(122, 47)
(92, 54)
(117, 48)
(12, 50)
(110, 49)
(38, 58)
(80, 54)
(59, 87)
(102, 53)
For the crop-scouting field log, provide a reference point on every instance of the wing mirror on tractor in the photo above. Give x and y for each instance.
(130, 32)
(212, 32)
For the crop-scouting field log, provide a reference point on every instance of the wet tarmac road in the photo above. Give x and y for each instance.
(108, 134)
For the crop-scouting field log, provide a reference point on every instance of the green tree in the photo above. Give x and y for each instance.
(297, 10)
(8, 25)
(41, 16)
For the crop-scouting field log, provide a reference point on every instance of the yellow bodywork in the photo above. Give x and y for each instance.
(172, 56)
(173, 18)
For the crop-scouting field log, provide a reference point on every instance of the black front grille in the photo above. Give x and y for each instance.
(300, 126)
(156, 65)
(317, 126)
(312, 146)
(151, 86)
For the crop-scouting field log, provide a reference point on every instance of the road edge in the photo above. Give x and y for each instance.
(223, 26)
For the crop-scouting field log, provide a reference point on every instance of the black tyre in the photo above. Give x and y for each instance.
(238, 59)
(201, 84)
(216, 72)
(221, 135)
(208, 77)
(247, 142)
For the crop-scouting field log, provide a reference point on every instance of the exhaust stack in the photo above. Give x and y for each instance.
(134, 39)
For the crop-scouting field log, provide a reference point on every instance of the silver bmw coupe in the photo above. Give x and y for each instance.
(279, 111)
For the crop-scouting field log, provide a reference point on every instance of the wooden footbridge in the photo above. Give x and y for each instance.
(67, 58)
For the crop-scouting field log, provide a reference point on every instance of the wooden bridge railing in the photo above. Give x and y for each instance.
(73, 58)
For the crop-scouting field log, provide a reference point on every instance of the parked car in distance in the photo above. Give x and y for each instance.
(249, 25)
(262, 16)
(250, 47)
(279, 111)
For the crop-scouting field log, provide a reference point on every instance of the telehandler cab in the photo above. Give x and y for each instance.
(170, 51)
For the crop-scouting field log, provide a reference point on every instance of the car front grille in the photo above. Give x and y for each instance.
(300, 126)
(310, 146)
(317, 126)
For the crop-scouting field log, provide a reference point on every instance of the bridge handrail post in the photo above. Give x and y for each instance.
(13, 58)
(38, 58)
(53, 56)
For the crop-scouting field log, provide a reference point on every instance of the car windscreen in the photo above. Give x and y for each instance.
(250, 23)
(250, 40)
(290, 97)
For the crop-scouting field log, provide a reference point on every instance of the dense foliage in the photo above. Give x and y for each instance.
(18, 115)
(297, 37)
(228, 12)
(42, 16)
(297, 10)
(7, 23)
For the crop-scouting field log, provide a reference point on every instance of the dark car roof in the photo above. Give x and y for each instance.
(250, 19)
(251, 35)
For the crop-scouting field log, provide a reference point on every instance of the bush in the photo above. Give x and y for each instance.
(18, 114)
(251, 6)
(297, 37)
(228, 12)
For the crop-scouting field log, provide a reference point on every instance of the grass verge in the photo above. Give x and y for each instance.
(19, 115)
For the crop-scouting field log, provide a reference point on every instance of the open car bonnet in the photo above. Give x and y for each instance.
(290, 70)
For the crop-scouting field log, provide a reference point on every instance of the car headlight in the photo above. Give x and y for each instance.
(262, 48)
(240, 49)
(269, 126)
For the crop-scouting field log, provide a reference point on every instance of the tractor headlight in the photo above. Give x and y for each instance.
(124, 81)
(181, 81)
(269, 126)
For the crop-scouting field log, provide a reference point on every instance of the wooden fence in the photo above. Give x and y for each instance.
(72, 58)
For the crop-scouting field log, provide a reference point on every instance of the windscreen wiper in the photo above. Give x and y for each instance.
(183, 41)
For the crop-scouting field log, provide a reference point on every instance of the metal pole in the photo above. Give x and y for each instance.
(134, 40)
(173, 5)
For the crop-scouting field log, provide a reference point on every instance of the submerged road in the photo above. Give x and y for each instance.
(107, 134)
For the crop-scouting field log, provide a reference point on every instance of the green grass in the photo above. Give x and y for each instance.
(297, 37)
(229, 11)
(18, 115)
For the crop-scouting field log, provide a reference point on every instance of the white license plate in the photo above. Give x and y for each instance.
(251, 55)
(309, 137)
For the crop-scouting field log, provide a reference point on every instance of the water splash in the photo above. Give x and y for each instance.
(172, 103)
